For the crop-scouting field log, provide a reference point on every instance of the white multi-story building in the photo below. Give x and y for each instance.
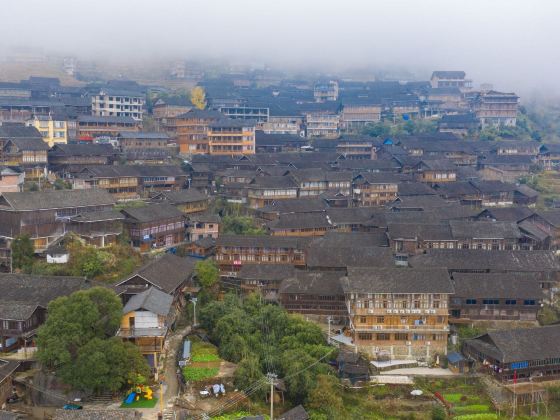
(117, 103)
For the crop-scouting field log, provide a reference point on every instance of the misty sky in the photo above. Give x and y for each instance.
(511, 43)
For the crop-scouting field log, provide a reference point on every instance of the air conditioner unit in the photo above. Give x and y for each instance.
(389, 311)
(408, 343)
(402, 311)
(426, 311)
(370, 311)
(433, 311)
(408, 311)
(407, 327)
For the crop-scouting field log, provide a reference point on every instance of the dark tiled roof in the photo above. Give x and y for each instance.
(295, 206)
(415, 188)
(448, 74)
(166, 272)
(38, 290)
(518, 345)
(18, 130)
(497, 285)
(98, 216)
(268, 272)
(334, 239)
(296, 413)
(475, 259)
(301, 221)
(202, 114)
(507, 214)
(152, 212)
(343, 257)
(152, 300)
(551, 216)
(57, 199)
(190, 195)
(424, 232)
(29, 143)
(397, 280)
(143, 135)
(272, 182)
(97, 414)
(106, 119)
(462, 229)
(82, 150)
(493, 186)
(17, 311)
(262, 241)
(313, 283)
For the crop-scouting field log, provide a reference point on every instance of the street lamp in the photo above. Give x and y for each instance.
(193, 300)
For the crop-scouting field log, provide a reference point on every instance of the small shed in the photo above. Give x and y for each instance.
(457, 363)
(186, 355)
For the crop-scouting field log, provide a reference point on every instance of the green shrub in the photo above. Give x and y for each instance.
(192, 373)
(471, 409)
(453, 398)
(485, 416)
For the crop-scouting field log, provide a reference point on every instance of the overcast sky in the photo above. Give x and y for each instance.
(511, 43)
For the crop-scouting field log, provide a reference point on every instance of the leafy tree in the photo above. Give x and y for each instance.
(549, 314)
(240, 225)
(22, 252)
(77, 341)
(207, 273)
(299, 378)
(114, 362)
(33, 187)
(234, 349)
(438, 413)
(325, 397)
(60, 184)
(247, 373)
(198, 97)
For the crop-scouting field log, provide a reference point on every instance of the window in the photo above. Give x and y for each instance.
(365, 336)
(383, 336)
(471, 301)
(511, 302)
(491, 301)
(363, 320)
(401, 336)
(380, 319)
(529, 302)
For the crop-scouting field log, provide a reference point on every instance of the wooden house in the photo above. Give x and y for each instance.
(495, 296)
(234, 251)
(24, 302)
(30, 154)
(264, 190)
(47, 215)
(375, 189)
(188, 201)
(313, 293)
(523, 355)
(154, 226)
(400, 311)
(146, 319)
(168, 273)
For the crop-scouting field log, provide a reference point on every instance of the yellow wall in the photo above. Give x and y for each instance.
(48, 128)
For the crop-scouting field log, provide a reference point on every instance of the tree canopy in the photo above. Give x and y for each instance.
(22, 252)
(198, 97)
(77, 341)
(207, 273)
(265, 338)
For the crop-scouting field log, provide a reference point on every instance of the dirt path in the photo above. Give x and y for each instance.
(171, 385)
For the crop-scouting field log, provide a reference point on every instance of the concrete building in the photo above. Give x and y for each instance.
(118, 103)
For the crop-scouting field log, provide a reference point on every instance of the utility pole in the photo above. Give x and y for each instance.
(329, 319)
(271, 377)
